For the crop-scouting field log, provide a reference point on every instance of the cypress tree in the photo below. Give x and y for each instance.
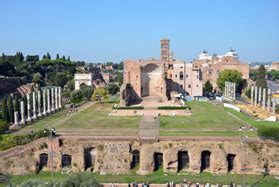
(48, 56)
(11, 109)
(5, 112)
(16, 104)
(57, 56)
(261, 81)
(3, 56)
(69, 59)
(63, 57)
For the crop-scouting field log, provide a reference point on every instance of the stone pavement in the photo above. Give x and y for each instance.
(149, 127)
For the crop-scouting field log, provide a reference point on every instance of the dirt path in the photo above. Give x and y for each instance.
(149, 127)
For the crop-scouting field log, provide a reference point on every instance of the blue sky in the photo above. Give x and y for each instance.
(115, 30)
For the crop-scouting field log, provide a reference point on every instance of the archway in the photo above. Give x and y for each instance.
(43, 159)
(135, 159)
(205, 160)
(151, 76)
(66, 160)
(89, 158)
(183, 160)
(230, 160)
(158, 161)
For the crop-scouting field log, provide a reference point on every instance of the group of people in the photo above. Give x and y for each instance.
(71, 111)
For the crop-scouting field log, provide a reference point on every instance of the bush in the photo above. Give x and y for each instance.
(8, 141)
(269, 133)
(101, 91)
(76, 96)
(173, 107)
(128, 107)
(113, 89)
(80, 179)
(87, 92)
(3, 126)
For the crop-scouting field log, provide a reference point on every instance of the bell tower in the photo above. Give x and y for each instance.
(165, 50)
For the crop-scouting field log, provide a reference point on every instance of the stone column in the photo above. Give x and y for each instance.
(56, 98)
(264, 98)
(44, 103)
(273, 105)
(260, 96)
(234, 91)
(16, 118)
(22, 111)
(59, 98)
(268, 100)
(39, 104)
(34, 117)
(252, 95)
(256, 96)
(28, 108)
(48, 102)
(225, 91)
(52, 100)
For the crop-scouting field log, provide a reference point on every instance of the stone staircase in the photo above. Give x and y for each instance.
(149, 127)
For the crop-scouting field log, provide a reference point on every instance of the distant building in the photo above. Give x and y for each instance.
(212, 65)
(274, 66)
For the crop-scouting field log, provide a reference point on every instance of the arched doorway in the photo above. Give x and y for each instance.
(43, 159)
(205, 160)
(183, 160)
(135, 159)
(66, 160)
(158, 161)
(151, 80)
(230, 160)
(89, 158)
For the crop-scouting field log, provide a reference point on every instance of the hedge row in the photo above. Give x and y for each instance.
(269, 133)
(173, 107)
(8, 141)
(128, 107)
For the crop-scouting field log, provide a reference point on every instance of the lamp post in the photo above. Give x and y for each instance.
(244, 140)
(51, 154)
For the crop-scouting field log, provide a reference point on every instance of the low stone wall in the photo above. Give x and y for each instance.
(115, 157)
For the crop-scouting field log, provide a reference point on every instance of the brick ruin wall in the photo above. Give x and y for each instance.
(115, 157)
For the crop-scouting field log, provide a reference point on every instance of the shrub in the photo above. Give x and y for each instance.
(80, 179)
(76, 96)
(87, 92)
(8, 141)
(101, 91)
(269, 133)
(113, 88)
(173, 107)
(3, 126)
(128, 107)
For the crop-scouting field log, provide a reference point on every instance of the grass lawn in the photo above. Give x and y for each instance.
(207, 133)
(204, 116)
(253, 122)
(157, 177)
(92, 118)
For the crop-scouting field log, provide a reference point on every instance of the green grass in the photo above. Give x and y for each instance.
(207, 133)
(204, 116)
(157, 177)
(94, 117)
(97, 117)
(253, 122)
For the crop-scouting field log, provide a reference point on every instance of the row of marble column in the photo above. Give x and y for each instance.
(52, 102)
(260, 98)
(230, 90)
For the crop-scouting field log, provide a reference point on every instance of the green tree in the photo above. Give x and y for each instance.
(113, 88)
(7, 69)
(16, 104)
(57, 56)
(208, 87)
(3, 126)
(5, 111)
(69, 59)
(71, 84)
(231, 76)
(76, 96)
(101, 91)
(11, 109)
(48, 56)
(63, 58)
(37, 78)
(248, 92)
(121, 65)
(261, 81)
(273, 75)
(87, 91)
(60, 79)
